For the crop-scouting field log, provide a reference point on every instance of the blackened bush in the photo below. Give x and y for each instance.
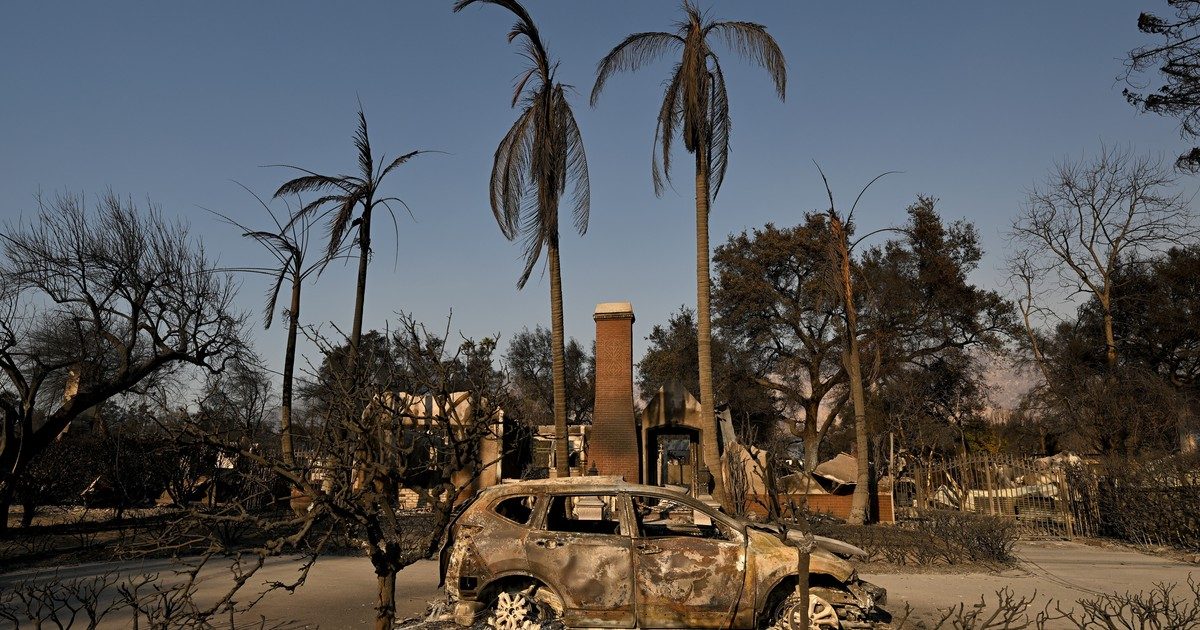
(60, 473)
(117, 470)
(1152, 503)
(938, 537)
(976, 537)
(1162, 607)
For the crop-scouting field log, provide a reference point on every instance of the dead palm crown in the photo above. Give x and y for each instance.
(340, 196)
(695, 106)
(695, 98)
(541, 153)
(540, 156)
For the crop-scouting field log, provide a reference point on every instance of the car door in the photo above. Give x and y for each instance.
(690, 566)
(583, 546)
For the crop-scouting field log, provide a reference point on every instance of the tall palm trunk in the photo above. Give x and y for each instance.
(561, 445)
(289, 368)
(360, 296)
(860, 504)
(708, 415)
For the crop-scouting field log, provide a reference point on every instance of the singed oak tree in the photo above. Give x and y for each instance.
(695, 108)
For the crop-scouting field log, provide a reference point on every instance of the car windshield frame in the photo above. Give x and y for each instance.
(712, 513)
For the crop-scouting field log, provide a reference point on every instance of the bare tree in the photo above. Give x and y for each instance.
(1090, 217)
(239, 400)
(1025, 280)
(370, 457)
(97, 303)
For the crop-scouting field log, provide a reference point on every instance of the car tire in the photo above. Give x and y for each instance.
(530, 607)
(821, 615)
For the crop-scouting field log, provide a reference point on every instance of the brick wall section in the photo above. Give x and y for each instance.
(834, 504)
(613, 443)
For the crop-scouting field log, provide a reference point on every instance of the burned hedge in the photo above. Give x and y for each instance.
(938, 537)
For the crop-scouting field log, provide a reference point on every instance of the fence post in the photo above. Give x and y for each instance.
(991, 489)
(964, 491)
(1064, 497)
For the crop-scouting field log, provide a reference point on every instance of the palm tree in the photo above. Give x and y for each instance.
(340, 196)
(842, 283)
(288, 244)
(695, 107)
(541, 154)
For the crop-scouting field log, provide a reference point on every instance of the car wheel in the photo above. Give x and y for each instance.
(821, 615)
(528, 608)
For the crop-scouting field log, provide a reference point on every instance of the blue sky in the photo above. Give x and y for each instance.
(172, 102)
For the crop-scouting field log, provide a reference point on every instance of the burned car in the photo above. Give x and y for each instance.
(598, 552)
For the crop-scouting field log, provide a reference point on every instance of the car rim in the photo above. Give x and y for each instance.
(821, 616)
(522, 610)
(513, 611)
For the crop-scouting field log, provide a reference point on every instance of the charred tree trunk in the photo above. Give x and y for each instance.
(811, 436)
(28, 510)
(385, 611)
(5, 505)
(1110, 341)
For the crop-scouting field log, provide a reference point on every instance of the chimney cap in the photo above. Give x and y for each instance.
(614, 310)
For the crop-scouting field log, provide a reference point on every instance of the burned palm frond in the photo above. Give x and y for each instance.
(541, 158)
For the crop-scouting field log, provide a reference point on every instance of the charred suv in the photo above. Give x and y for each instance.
(602, 553)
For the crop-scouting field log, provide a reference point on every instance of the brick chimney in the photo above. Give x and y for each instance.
(613, 445)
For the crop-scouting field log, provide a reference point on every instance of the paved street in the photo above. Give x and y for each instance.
(340, 592)
(1065, 571)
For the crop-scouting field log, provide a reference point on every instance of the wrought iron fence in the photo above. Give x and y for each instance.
(1044, 497)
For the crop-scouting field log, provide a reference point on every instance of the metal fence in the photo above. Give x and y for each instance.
(1044, 498)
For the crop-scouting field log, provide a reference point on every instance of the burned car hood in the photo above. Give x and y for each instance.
(834, 546)
(771, 550)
